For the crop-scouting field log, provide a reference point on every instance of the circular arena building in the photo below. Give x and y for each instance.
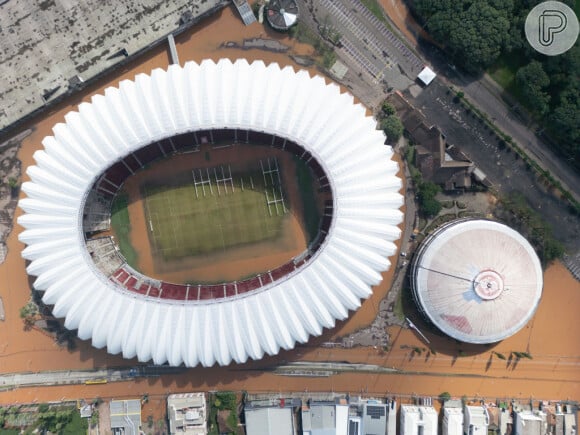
(84, 164)
(282, 14)
(478, 281)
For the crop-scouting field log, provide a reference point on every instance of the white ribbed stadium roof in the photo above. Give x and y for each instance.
(478, 281)
(254, 96)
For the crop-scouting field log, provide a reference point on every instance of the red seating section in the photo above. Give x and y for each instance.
(191, 292)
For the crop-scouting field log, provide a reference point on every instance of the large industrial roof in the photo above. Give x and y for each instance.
(289, 104)
(478, 281)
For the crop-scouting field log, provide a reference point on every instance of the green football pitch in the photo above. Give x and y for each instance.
(206, 213)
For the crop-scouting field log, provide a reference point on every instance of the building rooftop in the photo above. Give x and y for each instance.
(452, 421)
(125, 416)
(325, 419)
(427, 75)
(305, 296)
(374, 418)
(530, 423)
(478, 281)
(418, 419)
(51, 45)
(187, 413)
(476, 420)
(267, 421)
(438, 161)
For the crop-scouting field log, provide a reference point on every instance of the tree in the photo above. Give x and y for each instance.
(533, 80)
(428, 204)
(387, 109)
(499, 355)
(444, 396)
(431, 207)
(474, 32)
(392, 127)
(564, 122)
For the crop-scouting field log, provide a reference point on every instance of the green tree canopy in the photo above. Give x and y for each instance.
(387, 109)
(474, 31)
(428, 204)
(533, 80)
(392, 127)
(564, 122)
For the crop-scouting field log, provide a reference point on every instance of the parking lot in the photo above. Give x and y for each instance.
(507, 172)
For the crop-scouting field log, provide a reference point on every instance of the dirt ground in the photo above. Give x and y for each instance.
(554, 373)
(236, 263)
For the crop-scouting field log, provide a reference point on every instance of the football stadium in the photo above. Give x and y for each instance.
(478, 281)
(180, 112)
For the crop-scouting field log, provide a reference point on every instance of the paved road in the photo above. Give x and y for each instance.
(486, 95)
(400, 362)
(76, 377)
(503, 169)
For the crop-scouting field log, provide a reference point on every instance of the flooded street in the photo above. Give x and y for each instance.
(550, 337)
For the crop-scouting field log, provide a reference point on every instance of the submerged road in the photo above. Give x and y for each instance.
(549, 368)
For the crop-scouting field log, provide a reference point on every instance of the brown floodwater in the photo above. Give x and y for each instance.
(550, 337)
(235, 263)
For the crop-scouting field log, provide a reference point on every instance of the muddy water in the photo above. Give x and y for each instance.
(553, 373)
(399, 13)
(235, 263)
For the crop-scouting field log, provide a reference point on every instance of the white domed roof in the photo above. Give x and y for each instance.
(254, 96)
(478, 281)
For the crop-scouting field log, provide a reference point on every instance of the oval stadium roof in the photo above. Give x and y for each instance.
(478, 281)
(253, 96)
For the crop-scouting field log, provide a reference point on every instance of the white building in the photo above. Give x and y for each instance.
(452, 421)
(374, 418)
(530, 423)
(478, 281)
(476, 420)
(325, 419)
(187, 414)
(171, 326)
(418, 420)
(268, 421)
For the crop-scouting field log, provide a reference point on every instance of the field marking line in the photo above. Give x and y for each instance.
(268, 202)
(278, 171)
(171, 211)
(216, 181)
(209, 180)
(194, 183)
(282, 200)
(275, 201)
(231, 179)
(263, 173)
(270, 170)
(201, 182)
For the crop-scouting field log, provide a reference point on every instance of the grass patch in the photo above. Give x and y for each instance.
(504, 70)
(375, 8)
(186, 222)
(399, 308)
(221, 401)
(311, 215)
(61, 419)
(324, 51)
(121, 226)
(76, 425)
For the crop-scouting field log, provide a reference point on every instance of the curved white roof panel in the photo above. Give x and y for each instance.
(211, 95)
(478, 281)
